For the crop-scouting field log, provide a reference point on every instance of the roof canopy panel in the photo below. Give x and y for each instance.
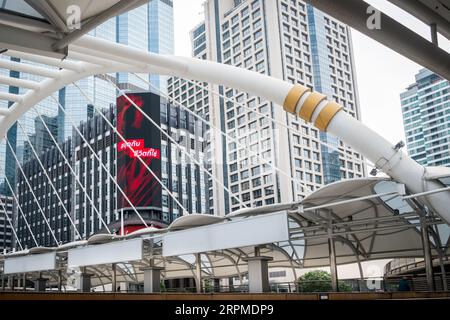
(371, 228)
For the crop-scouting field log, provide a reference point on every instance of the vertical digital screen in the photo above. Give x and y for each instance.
(142, 139)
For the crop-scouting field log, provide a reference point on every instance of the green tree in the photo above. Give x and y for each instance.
(319, 281)
(162, 285)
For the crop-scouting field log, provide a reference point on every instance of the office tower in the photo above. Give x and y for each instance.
(426, 118)
(3, 105)
(295, 42)
(132, 30)
(48, 204)
(41, 140)
(6, 234)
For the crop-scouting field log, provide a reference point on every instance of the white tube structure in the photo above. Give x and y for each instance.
(312, 107)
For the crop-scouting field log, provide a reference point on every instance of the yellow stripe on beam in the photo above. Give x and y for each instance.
(326, 115)
(293, 97)
(311, 103)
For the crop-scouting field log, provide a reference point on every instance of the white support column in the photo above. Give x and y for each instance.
(152, 279)
(114, 278)
(258, 274)
(24, 282)
(84, 281)
(59, 280)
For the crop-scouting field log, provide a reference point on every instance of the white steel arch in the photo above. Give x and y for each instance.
(89, 56)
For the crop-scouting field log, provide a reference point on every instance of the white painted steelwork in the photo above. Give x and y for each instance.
(94, 56)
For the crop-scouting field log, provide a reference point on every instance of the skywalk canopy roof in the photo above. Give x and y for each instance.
(381, 225)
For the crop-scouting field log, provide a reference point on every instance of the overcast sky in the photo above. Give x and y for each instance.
(382, 74)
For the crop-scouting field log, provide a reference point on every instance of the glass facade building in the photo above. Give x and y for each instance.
(426, 119)
(161, 35)
(333, 75)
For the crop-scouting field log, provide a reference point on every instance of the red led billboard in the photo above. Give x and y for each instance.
(142, 139)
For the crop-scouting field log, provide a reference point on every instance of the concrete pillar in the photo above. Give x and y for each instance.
(3, 282)
(152, 279)
(24, 282)
(114, 278)
(230, 284)
(258, 274)
(427, 253)
(59, 280)
(11, 284)
(40, 284)
(84, 283)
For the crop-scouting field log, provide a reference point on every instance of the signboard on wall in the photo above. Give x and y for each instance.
(114, 252)
(267, 228)
(30, 263)
(143, 139)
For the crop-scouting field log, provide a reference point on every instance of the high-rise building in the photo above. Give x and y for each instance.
(426, 119)
(42, 201)
(292, 41)
(6, 234)
(41, 139)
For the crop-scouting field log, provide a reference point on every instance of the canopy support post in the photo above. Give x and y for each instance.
(427, 252)
(114, 278)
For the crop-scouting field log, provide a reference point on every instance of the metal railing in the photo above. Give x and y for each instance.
(416, 284)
